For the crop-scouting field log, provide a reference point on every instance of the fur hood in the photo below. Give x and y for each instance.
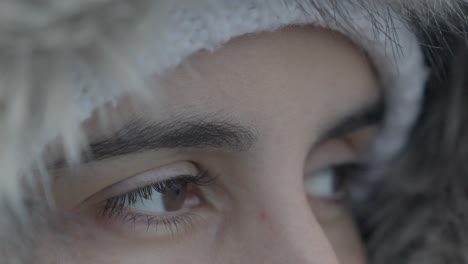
(96, 50)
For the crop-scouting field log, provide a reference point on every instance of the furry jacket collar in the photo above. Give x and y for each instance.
(92, 49)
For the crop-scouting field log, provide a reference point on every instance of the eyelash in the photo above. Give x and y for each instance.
(115, 207)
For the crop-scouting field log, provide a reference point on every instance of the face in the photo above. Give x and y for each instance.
(242, 156)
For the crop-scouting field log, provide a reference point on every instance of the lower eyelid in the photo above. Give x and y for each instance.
(134, 216)
(130, 223)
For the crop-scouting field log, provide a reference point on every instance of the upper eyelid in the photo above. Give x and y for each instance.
(368, 116)
(141, 180)
(329, 153)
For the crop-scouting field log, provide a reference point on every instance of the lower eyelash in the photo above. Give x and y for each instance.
(173, 224)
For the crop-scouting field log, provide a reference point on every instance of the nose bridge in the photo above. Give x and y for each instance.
(291, 234)
(295, 232)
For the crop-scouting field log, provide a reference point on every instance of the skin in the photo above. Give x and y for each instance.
(287, 88)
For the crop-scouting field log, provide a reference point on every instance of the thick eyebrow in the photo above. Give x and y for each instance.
(366, 116)
(140, 136)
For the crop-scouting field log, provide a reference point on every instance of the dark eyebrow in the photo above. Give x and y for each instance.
(368, 115)
(139, 136)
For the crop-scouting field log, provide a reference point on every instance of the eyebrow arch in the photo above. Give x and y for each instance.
(194, 132)
(369, 115)
(139, 136)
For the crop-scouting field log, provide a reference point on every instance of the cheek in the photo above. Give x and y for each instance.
(340, 229)
(83, 243)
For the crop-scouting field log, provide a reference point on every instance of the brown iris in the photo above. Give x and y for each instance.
(174, 195)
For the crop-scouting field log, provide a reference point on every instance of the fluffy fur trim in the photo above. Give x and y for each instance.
(417, 213)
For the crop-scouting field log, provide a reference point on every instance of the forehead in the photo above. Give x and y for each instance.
(301, 75)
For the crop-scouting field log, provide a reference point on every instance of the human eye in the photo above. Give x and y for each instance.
(155, 202)
(336, 163)
(331, 182)
(170, 195)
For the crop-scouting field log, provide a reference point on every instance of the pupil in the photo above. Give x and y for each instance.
(174, 197)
